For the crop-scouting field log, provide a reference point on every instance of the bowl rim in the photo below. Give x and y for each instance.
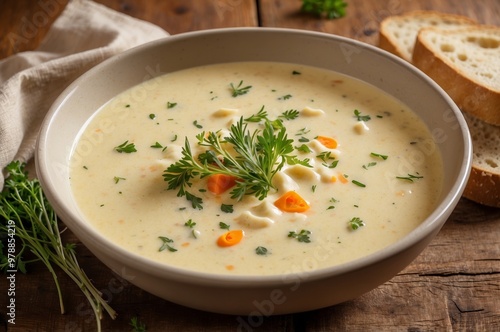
(432, 223)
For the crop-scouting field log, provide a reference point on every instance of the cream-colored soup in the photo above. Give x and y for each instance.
(384, 175)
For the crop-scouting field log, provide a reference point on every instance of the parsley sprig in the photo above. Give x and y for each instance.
(257, 157)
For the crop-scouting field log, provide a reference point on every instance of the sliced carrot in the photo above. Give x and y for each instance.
(219, 183)
(328, 142)
(291, 202)
(230, 238)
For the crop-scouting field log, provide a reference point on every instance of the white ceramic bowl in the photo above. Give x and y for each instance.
(247, 295)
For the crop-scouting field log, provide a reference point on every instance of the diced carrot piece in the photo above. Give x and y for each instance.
(230, 238)
(342, 178)
(291, 202)
(219, 183)
(328, 142)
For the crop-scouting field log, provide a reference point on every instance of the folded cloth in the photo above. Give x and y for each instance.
(83, 35)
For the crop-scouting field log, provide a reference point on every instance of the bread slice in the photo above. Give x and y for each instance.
(398, 33)
(484, 182)
(466, 64)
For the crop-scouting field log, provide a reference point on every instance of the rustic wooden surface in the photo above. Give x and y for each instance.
(454, 285)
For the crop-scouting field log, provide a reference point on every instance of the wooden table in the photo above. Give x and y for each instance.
(454, 285)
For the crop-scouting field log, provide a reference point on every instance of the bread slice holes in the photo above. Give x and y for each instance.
(491, 163)
(487, 75)
(447, 48)
(488, 43)
(462, 57)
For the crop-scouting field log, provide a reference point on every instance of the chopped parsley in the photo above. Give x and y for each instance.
(239, 90)
(126, 147)
(171, 104)
(360, 117)
(190, 223)
(197, 125)
(223, 225)
(117, 179)
(302, 236)
(166, 244)
(227, 208)
(261, 251)
(378, 155)
(356, 223)
(289, 114)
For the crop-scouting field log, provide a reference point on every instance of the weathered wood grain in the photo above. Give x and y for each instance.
(454, 285)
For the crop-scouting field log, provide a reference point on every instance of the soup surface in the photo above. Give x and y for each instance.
(255, 168)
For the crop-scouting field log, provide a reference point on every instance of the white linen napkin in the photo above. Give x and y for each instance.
(85, 34)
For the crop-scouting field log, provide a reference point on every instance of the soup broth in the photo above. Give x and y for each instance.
(362, 168)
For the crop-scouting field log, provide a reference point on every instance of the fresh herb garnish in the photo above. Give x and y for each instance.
(223, 225)
(126, 147)
(359, 184)
(303, 140)
(356, 223)
(197, 125)
(260, 116)
(302, 131)
(152, 116)
(328, 8)
(326, 156)
(360, 117)
(117, 179)
(410, 177)
(295, 72)
(228, 208)
(190, 223)
(156, 146)
(289, 114)
(261, 251)
(23, 204)
(378, 155)
(370, 164)
(171, 105)
(302, 236)
(166, 244)
(257, 157)
(332, 200)
(303, 148)
(285, 97)
(239, 90)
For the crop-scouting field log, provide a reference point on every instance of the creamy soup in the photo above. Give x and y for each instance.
(345, 169)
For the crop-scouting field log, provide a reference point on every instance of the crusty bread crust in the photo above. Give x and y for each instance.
(484, 182)
(474, 98)
(483, 187)
(389, 41)
(471, 96)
